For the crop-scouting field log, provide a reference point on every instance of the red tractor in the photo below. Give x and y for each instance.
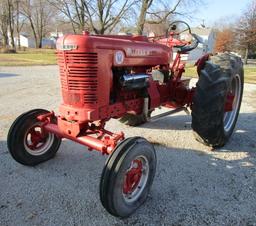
(127, 78)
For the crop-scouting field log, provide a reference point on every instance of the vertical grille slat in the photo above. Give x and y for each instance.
(80, 74)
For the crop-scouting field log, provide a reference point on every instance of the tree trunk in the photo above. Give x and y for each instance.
(40, 40)
(246, 55)
(11, 22)
(18, 23)
(34, 32)
(4, 30)
(5, 40)
(142, 17)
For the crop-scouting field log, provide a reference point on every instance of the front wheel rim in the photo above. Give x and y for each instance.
(235, 89)
(136, 178)
(36, 141)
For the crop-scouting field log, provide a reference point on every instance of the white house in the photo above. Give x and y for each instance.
(29, 42)
(208, 37)
(25, 41)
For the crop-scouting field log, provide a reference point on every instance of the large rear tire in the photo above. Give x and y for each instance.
(222, 76)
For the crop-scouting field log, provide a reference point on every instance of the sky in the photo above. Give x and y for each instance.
(217, 10)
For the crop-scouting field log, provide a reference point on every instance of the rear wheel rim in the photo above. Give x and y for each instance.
(135, 179)
(235, 89)
(37, 141)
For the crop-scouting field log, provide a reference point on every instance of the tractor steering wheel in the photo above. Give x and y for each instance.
(180, 28)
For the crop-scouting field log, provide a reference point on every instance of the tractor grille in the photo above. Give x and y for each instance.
(80, 74)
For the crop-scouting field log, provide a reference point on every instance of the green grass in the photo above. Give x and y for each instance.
(249, 73)
(190, 71)
(28, 57)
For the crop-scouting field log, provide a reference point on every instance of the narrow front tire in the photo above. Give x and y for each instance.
(27, 141)
(127, 176)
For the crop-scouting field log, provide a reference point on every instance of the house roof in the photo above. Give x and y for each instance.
(201, 31)
(26, 35)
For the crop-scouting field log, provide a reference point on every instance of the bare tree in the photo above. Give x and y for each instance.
(246, 29)
(19, 21)
(145, 5)
(4, 21)
(98, 16)
(72, 12)
(10, 8)
(38, 14)
(7, 22)
(104, 15)
(159, 11)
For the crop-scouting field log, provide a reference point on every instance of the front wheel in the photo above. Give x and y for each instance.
(127, 176)
(217, 99)
(28, 143)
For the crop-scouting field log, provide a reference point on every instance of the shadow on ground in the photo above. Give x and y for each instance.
(191, 187)
(174, 122)
(6, 75)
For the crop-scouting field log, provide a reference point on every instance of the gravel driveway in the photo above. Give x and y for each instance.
(193, 185)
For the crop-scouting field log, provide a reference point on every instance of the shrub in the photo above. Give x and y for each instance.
(7, 50)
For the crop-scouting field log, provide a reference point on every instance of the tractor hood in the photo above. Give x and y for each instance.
(136, 48)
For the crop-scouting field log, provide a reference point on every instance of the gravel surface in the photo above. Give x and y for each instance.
(193, 185)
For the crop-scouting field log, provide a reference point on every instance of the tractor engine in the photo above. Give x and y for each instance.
(103, 77)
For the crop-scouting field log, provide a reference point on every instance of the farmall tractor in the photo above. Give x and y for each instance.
(127, 78)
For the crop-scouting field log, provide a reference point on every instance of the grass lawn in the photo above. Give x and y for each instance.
(28, 57)
(249, 73)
